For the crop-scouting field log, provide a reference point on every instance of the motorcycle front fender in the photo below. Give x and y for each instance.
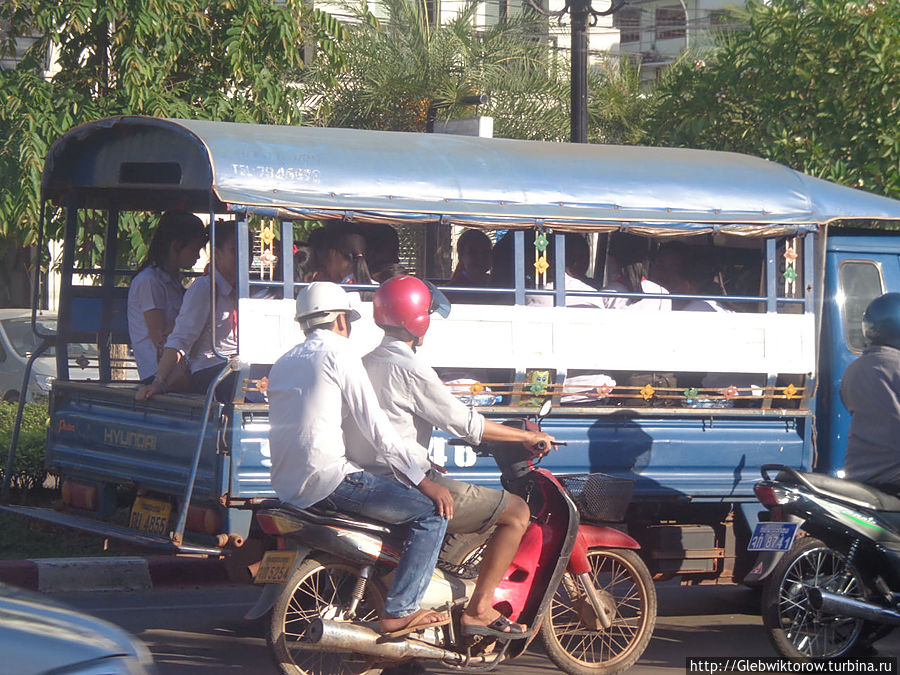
(594, 536)
(271, 592)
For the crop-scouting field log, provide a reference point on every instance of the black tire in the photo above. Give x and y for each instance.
(580, 649)
(319, 588)
(461, 554)
(794, 628)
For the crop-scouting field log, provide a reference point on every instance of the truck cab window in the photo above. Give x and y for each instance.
(860, 282)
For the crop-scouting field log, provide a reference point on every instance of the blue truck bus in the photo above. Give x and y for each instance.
(688, 404)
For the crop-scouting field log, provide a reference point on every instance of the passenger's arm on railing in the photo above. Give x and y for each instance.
(167, 365)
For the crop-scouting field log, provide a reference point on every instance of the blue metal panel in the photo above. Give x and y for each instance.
(250, 459)
(835, 355)
(671, 458)
(106, 438)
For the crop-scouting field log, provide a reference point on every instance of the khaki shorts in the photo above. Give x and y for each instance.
(475, 508)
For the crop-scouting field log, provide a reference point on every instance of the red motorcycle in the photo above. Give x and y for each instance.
(581, 587)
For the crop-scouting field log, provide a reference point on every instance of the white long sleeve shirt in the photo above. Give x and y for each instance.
(192, 327)
(313, 389)
(151, 288)
(415, 401)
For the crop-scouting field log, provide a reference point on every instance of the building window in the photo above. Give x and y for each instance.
(628, 21)
(670, 22)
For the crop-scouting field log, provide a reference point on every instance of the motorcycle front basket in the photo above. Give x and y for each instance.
(600, 498)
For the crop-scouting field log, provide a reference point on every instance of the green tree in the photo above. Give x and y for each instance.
(211, 59)
(398, 63)
(812, 84)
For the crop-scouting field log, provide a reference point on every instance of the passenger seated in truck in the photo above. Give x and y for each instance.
(339, 255)
(157, 290)
(473, 249)
(190, 339)
(685, 270)
(578, 255)
(382, 251)
(628, 268)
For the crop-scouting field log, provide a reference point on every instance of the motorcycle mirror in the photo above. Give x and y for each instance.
(546, 407)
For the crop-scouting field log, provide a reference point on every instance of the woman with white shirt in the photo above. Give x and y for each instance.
(156, 292)
(202, 339)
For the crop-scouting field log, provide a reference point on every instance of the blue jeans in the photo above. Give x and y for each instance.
(385, 499)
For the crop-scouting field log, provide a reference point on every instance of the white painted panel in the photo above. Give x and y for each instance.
(479, 336)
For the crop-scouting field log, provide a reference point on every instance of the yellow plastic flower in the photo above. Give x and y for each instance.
(790, 391)
(541, 265)
(647, 391)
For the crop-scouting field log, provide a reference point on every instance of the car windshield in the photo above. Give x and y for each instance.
(24, 341)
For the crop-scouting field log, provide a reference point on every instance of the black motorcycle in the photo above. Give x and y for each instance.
(829, 563)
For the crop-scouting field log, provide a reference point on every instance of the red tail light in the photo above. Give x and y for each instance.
(770, 494)
(80, 495)
(274, 523)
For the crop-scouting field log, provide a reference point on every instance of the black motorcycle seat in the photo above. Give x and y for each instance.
(320, 516)
(849, 490)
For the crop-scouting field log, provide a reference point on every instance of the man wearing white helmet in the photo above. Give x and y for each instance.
(313, 389)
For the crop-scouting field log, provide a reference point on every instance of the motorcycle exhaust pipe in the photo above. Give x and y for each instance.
(832, 603)
(342, 636)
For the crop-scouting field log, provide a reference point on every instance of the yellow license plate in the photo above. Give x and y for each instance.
(275, 567)
(150, 515)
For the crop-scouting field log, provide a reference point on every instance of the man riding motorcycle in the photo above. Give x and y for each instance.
(416, 401)
(313, 389)
(870, 389)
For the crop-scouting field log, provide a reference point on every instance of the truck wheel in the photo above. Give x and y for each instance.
(794, 628)
(582, 649)
(320, 588)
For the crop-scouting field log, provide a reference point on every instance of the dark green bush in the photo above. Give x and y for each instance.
(28, 469)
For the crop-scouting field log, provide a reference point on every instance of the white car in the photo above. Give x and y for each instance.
(17, 341)
(40, 636)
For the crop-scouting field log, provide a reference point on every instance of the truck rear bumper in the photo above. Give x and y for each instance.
(111, 530)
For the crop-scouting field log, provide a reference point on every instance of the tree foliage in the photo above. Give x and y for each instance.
(210, 59)
(810, 83)
(397, 64)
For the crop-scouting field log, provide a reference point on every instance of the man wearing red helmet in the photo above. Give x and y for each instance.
(416, 401)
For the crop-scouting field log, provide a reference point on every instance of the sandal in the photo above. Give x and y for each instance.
(501, 627)
(419, 620)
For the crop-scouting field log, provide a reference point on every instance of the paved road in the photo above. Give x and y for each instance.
(199, 631)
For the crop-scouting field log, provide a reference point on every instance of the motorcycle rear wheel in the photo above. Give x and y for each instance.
(794, 628)
(580, 649)
(320, 588)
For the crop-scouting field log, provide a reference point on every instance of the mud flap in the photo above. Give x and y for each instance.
(271, 592)
(762, 568)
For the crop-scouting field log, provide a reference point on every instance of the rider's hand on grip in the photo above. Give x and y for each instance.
(440, 495)
(540, 442)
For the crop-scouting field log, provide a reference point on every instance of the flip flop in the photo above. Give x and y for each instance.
(501, 627)
(418, 621)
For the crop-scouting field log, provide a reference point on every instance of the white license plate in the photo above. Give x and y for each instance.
(772, 537)
(150, 515)
(275, 567)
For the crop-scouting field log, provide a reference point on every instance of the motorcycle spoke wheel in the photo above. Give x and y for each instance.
(797, 630)
(582, 649)
(319, 589)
